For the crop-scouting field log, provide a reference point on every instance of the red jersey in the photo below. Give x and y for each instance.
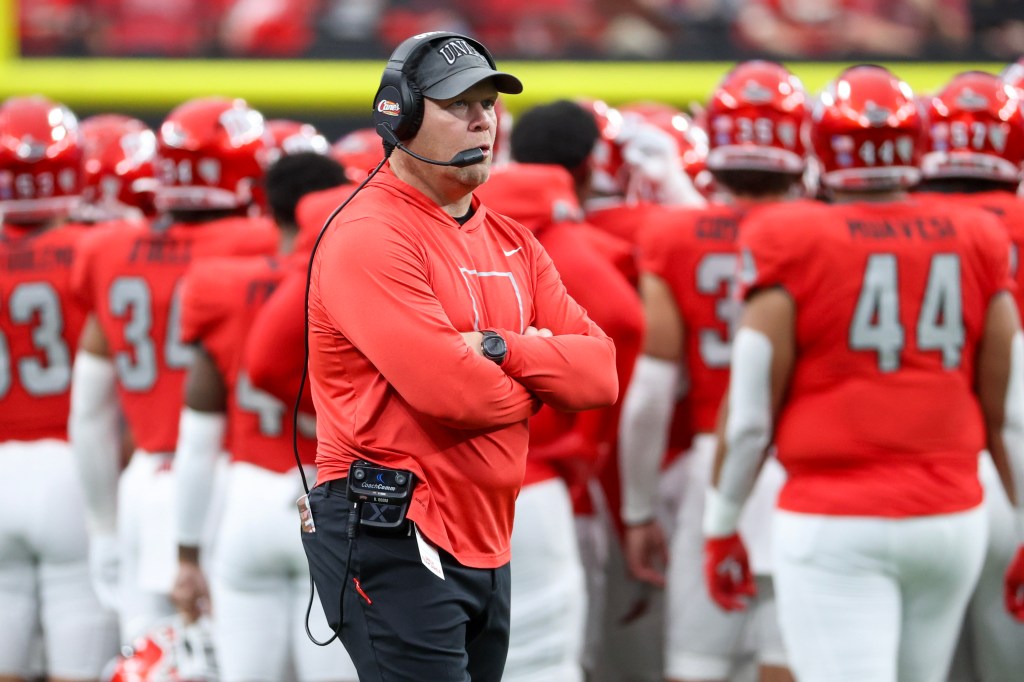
(625, 220)
(881, 418)
(394, 282)
(543, 199)
(312, 212)
(219, 300)
(128, 276)
(694, 252)
(1009, 208)
(39, 329)
(274, 352)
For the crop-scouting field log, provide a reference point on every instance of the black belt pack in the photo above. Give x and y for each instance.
(381, 494)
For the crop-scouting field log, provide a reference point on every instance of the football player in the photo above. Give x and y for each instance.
(44, 570)
(974, 147)
(880, 349)
(258, 577)
(757, 116)
(211, 156)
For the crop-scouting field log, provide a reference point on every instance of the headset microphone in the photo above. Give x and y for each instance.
(467, 157)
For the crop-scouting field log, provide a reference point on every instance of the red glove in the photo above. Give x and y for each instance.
(1014, 586)
(727, 572)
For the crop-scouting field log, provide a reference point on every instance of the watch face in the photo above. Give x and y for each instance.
(493, 347)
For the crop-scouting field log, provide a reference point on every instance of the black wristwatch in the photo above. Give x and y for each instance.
(493, 347)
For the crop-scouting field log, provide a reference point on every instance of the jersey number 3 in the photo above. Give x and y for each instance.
(37, 301)
(876, 322)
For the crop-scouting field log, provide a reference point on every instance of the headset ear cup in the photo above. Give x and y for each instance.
(414, 119)
(388, 107)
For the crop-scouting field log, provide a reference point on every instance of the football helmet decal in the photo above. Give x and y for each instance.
(974, 129)
(756, 120)
(40, 159)
(212, 153)
(866, 131)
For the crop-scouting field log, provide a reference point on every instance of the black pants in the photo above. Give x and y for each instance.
(401, 622)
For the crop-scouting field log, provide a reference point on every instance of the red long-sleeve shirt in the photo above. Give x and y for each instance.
(394, 282)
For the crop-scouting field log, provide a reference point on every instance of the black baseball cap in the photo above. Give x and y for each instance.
(454, 65)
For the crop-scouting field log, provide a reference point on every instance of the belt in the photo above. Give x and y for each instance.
(337, 487)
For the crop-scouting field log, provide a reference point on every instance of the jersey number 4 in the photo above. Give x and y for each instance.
(876, 322)
(39, 302)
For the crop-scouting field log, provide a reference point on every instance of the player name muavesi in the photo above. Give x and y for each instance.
(924, 227)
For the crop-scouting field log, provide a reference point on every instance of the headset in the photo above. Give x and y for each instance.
(398, 105)
(403, 100)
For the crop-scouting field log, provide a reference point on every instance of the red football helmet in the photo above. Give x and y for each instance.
(691, 138)
(118, 165)
(212, 153)
(171, 652)
(608, 175)
(40, 159)
(358, 152)
(293, 137)
(756, 120)
(866, 131)
(974, 129)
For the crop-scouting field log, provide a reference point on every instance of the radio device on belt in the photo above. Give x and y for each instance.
(382, 494)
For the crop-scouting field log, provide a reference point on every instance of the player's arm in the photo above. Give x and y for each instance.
(1001, 394)
(200, 441)
(643, 429)
(1001, 391)
(762, 361)
(763, 353)
(375, 290)
(94, 436)
(93, 429)
(574, 369)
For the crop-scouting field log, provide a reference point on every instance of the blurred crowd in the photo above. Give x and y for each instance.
(542, 29)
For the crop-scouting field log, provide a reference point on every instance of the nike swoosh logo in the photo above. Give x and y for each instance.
(512, 252)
